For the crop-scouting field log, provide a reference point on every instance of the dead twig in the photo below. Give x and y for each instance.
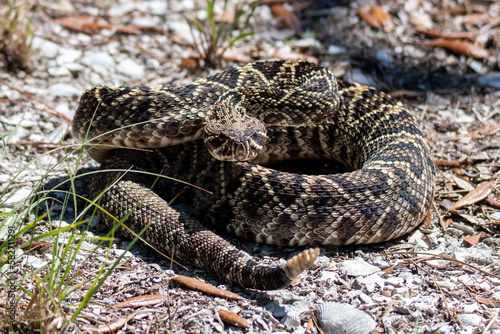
(468, 287)
(444, 257)
(493, 203)
(438, 287)
(441, 221)
(465, 161)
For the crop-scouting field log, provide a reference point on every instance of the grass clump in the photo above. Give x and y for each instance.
(219, 34)
(49, 297)
(16, 34)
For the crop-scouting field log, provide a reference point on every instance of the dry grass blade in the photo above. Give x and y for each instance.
(461, 47)
(233, 319)
(492, 321)
(480, 193)
(145, 300)
(196, 284)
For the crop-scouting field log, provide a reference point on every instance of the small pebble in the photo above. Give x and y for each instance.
(62, 89)
(130, 68)
(33, 262)
(19, 196)
(336, 50)
(98, 59)
(47, 48)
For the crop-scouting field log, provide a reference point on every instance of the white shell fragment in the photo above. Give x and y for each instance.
(472, 320)
(336, 318)
(357, 267)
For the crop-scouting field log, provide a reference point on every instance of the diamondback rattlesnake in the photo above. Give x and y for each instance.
(306, 114)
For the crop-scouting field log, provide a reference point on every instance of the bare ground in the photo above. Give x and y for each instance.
(442, 278)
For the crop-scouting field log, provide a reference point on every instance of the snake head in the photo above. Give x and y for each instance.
(234, 136)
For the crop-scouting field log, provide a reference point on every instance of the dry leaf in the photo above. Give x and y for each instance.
(486, 301)
(493, 203)
(457, 10)
(79, 24)
(233, 319)
(290, 20)
(473, 239)
(487, 130)
(472, 219)
(461, 47)
(432, 33)
(368, 18)
(451, 11)
(428, 219)
(196, 284)
(190, 63)
(388, 271)
(477, 18)
(115, 326)
(476, 238)
(92, 25)
(40, 245)
(463, 184)
(383, 18)
(142, 301)
(132, 30)
(480, 193)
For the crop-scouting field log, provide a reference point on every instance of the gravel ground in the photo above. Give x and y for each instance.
(442, 278)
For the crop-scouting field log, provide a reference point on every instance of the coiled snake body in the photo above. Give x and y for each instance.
(307, 115)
